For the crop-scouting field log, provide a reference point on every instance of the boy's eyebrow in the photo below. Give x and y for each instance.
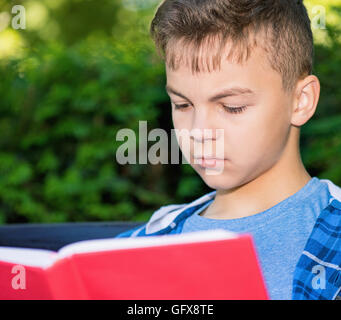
(234, 91)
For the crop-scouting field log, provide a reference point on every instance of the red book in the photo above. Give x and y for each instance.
(213, 264)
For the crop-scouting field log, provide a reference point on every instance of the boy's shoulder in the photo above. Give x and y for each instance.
(322, 254)
(168, 218)
(335, 190)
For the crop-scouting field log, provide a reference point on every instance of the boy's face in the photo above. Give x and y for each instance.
(253, 140)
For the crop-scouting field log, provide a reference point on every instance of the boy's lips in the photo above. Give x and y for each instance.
(208, 158)
(208, 161)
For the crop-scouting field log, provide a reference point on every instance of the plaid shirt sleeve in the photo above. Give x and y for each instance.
(318, 273)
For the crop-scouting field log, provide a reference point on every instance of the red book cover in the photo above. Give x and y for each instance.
(213, 264)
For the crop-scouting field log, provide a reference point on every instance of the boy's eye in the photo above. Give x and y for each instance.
(226, 108)
(180, 106)
(234, 109)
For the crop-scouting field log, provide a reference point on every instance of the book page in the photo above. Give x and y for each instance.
(45, 258)
(147, 241)
(28, 257)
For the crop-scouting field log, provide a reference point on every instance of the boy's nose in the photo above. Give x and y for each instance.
(202, 134)
(202, 128)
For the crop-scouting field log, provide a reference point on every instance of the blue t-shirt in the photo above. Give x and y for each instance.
(279, 233)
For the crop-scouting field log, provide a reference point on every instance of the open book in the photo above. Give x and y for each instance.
(213, 264)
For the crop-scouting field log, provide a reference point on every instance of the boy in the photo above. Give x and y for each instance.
(246, 67)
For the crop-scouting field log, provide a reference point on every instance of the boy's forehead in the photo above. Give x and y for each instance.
(249, 71)
(187, 58)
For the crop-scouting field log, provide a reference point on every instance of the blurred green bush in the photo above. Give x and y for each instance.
(61, 109)
(63, 102)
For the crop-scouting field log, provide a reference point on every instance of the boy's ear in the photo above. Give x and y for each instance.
(305, 100)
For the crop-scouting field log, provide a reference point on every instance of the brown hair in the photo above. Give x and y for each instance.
(190, 25)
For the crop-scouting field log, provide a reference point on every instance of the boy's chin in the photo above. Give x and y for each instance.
(220, 181)
(226, 180)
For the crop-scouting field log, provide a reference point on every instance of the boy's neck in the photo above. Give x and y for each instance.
(283, 180)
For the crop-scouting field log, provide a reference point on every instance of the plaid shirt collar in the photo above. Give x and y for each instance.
(318, 272)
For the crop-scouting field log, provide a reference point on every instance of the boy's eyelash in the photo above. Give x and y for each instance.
(227, 108)
(235, 109)
(180, 106)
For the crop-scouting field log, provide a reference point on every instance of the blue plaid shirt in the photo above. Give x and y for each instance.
(317, 274)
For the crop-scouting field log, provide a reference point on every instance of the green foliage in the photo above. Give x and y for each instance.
(59, 117)
(321, 136)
